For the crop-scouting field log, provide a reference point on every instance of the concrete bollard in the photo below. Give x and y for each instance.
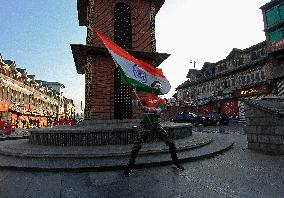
(221, 128)
(200, 128)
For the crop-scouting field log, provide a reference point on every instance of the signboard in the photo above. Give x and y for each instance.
(277, 45)
(224, 96)
(261, 89)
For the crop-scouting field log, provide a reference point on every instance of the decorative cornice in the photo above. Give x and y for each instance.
(80, 52)
(270, 4)
(226, 73)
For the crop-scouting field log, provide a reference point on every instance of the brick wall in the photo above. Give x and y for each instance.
(140, 18)
(102, 88)
(265, 130)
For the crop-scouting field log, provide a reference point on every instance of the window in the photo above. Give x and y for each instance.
(229, 83)
(122, 26)
(275, 14)
(253, 56)
(7, 94)
(276, 35)
(257, 77)
(233, 81)
(252, 77)
(272, 16)
(218, 86)
(281, 11)
(222, 84)
(248, 79)
(243, 80)
(262, 76)
(226, 84)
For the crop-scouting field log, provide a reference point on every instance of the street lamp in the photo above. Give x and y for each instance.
(192, 61)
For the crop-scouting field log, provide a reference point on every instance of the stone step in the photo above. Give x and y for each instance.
(81, 162)
(22, 148)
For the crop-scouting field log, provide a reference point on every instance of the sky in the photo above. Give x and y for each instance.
(37, 34)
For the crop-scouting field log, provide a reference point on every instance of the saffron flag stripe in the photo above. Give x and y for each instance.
(121, 52)
(134, 71)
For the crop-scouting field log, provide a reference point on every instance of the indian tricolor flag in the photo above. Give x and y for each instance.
(133, 71)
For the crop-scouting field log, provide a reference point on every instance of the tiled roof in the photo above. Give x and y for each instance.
(9, 62)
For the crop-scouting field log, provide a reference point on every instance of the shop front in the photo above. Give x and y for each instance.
(226, 103)
(5, 126)
(205, 109)
(4, 107)
(255, 92)
(26, 116)
(204, 103)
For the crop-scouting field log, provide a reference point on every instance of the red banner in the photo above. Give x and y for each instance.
(229, 107)
(205, 109)
(4, 106)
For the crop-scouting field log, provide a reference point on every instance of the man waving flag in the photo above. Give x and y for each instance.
(133, 71)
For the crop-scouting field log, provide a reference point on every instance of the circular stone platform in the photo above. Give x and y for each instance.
(19, 154)
(101, 132)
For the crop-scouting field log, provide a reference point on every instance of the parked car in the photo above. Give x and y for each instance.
(182, 117)
(216, 118)
(196, 118)
(190, 117)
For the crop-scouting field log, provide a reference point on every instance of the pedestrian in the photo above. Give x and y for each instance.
(24, 123)
(152, 106)
(17, 123)
(8, 127)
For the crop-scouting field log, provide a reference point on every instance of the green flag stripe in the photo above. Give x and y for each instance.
(139, 86)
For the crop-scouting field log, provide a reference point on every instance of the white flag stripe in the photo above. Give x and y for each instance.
(134, 71)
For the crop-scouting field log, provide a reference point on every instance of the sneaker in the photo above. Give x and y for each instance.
(127, 172)
(177, 166)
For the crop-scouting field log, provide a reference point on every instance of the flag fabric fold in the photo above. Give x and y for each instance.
(135, 72)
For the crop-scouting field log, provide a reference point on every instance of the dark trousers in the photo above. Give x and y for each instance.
(154, 128)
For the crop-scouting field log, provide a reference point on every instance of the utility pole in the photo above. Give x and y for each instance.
(192, 61)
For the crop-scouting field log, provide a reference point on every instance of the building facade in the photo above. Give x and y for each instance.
(273, 18)
(252, 73)
(58, 88)
(22, 99)
(69, 108)
(222, 86)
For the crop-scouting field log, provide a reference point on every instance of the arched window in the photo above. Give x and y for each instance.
(122, 26)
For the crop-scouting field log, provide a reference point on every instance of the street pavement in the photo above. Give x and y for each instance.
(238, 172)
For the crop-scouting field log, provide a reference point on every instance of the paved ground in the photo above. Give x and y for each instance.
(238, 172)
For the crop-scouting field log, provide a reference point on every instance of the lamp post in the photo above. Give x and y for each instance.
(194, 62)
